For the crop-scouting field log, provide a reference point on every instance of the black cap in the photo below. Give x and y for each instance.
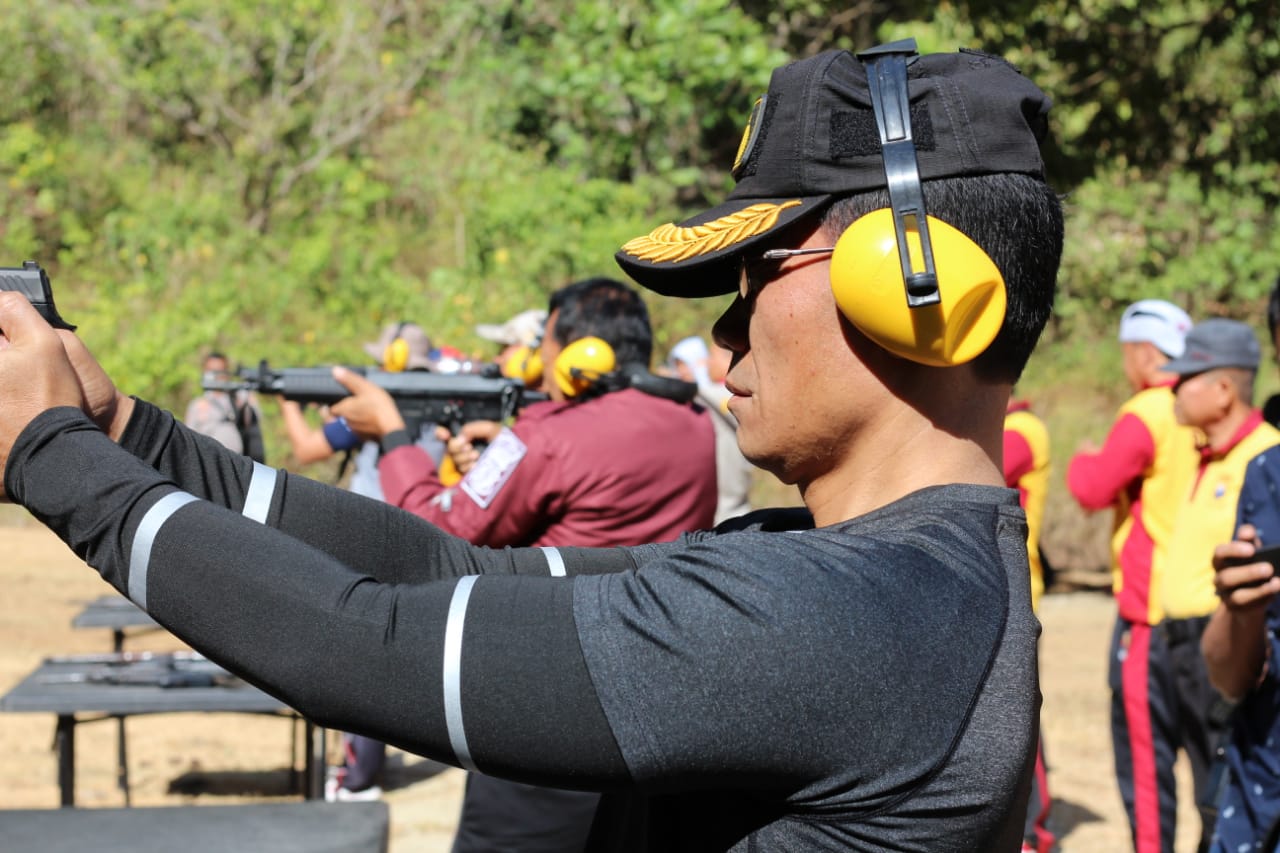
(813, 138)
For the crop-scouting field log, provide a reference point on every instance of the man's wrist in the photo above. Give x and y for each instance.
(395, 438)
(121, 414)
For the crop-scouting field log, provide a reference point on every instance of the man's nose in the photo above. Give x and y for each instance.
(730, 331)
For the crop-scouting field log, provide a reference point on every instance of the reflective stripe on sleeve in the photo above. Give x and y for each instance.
(555, 562)
(262, 485)
(453, 671)
(144, 540)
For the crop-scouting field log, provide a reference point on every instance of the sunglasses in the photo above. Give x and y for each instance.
(758, 271)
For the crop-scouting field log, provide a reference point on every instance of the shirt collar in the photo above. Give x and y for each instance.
(1251, 423)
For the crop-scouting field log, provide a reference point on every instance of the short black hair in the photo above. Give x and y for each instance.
(1017, 220)
(606, 309)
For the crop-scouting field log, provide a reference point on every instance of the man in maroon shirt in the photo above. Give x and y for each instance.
(601, 469)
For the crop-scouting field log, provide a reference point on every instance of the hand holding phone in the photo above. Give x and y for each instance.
(1262, 555)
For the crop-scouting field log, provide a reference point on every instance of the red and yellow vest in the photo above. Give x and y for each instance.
(1144, 471)
(1207, 518)
(1026, 468)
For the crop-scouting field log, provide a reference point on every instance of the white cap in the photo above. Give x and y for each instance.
(524, 329)
(692, 351)
(1156, 322)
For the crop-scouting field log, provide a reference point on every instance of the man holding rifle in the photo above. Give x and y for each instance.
(590, 467)
(858, 676)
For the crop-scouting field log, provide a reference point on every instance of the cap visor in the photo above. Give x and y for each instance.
(1189, 367)
(701, 256)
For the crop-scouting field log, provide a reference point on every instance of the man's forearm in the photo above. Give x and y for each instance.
(1234, 648)
(369, 536)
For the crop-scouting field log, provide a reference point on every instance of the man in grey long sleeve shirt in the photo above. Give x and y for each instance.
(862, 677)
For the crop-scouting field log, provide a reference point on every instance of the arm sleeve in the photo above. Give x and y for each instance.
(410, 480)
(483, 672)
(1099, 480)
(1018, 459)
(339, 435)
(372, 537)
(1259, 503)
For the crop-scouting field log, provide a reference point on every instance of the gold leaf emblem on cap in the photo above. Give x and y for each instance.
(672, 243)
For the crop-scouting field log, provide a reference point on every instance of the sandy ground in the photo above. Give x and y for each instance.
(228, 758)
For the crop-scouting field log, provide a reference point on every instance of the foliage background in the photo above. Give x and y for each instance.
(278, 178)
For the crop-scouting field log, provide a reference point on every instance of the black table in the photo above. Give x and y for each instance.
(115, 612)
(311, 827)
(124, 684)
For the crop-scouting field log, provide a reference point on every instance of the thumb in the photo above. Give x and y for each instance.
(20, 322)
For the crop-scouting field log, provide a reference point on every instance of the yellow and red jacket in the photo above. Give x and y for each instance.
(1026, 468)
(1144, 471)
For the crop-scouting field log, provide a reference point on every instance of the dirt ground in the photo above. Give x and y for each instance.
(215, 759)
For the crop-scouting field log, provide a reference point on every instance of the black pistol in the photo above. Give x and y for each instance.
(32, 282)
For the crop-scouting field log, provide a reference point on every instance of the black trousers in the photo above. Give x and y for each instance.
(1162, 702)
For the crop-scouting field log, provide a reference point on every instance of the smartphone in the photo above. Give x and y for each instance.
(1262, 555)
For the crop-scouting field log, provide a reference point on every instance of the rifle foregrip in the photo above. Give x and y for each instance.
(307, 385)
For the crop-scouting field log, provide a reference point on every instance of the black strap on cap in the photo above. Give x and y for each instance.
(887, 81)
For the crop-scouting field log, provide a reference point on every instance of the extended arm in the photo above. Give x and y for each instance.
(486, 671)
(267, 606)
(308, 443)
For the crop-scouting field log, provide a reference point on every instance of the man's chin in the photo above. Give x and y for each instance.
(770, 463)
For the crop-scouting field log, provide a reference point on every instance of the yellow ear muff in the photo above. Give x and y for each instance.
(395, 356)
(524, 363)
(532, 374)
(581, 364)
(866, 278)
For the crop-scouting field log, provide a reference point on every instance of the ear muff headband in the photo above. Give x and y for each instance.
(883, 271)
(581, 364)
(395, 356)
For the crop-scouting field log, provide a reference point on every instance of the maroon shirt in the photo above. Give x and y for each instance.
(622, 469)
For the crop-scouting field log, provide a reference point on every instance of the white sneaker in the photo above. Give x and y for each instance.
(335, 793)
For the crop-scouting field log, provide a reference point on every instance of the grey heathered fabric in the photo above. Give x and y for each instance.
(869, 686)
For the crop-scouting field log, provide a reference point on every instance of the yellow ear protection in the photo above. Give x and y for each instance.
(525, 364)
(395, 357)
(581, 364)
(952, 310)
